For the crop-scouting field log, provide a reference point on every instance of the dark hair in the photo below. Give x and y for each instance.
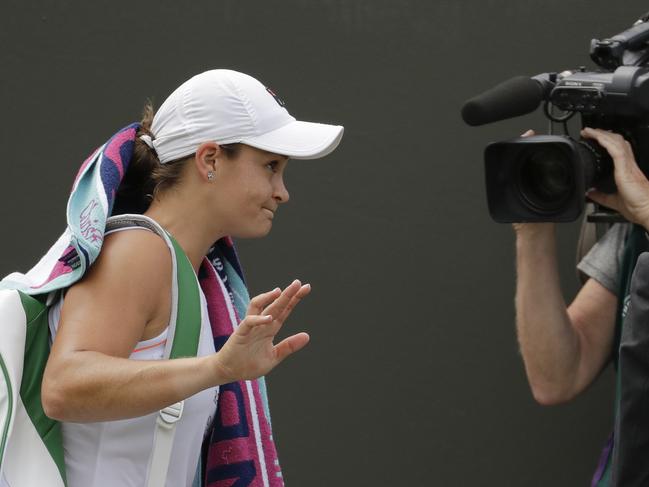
(146, 177)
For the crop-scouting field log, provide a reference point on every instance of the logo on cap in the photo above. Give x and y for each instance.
(277, 98)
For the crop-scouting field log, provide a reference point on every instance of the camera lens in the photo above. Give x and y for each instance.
(546, 178)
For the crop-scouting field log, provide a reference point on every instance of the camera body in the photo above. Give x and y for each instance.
(545, 178)
(622, 94)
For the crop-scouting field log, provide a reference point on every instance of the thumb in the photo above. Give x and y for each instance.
(604, 199)
(290, 345)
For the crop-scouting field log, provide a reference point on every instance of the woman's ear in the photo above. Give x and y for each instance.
(207, 159)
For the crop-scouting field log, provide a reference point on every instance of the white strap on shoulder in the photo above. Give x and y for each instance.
(167, 419)
(163, 440)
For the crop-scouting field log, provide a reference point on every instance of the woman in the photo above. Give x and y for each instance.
(210, 166)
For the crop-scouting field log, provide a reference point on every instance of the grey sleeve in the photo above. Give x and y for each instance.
(604, 260)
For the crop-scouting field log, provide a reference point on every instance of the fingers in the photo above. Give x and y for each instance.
(301, 293)
(259, 302)
(603, 135)
(277, 307)
(618, 148)
(529, 133)
(607, 200)
(290, 345)
(252, 321)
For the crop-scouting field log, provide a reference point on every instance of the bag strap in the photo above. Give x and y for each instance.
(185, 306)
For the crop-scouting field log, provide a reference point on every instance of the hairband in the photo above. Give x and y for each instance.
(147, 140)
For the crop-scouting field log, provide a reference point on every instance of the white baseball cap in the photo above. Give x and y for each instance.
(225, 107)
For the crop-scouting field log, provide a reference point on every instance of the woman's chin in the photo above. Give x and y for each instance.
(257, 232)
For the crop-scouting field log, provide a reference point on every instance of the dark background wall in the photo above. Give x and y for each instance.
(413, 376)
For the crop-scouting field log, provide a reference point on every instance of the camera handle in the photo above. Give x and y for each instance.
(628, 48)
(601, 214)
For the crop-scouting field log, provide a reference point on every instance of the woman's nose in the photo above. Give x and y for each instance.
(281, 193)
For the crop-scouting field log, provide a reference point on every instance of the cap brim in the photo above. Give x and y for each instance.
(299, 140)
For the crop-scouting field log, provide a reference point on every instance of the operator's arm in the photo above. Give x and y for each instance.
(88, 375)
(564, 348)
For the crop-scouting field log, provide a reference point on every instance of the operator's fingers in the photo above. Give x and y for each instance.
(618, 148)
(299, 295)
(290, 345)
(528, 133)
(259, 302)
(609, 200)
(277, 307)
(252, 321)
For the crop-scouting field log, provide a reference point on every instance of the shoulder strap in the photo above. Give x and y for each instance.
(182, 339)
(185, 297)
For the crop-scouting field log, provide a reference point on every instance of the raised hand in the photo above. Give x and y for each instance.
(250, 352)
(632, 197)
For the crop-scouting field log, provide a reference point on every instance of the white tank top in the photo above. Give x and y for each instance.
(116, 453)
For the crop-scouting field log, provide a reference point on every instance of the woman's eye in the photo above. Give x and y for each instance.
(272, 166)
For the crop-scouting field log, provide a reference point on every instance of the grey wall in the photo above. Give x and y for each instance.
(413, 377)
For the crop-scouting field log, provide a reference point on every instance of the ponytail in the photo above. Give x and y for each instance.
(145, 177)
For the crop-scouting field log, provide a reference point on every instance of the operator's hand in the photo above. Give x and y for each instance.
(632, 197)
(532, 228)
(249, 352)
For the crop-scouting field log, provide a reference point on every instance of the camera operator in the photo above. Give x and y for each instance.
(536, 181)
(565, 347)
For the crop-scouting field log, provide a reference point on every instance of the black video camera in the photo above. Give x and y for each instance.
(545, 178)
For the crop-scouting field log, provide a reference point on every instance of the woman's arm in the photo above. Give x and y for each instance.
(88, 375)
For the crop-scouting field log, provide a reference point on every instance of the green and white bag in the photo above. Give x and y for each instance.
(31, 449)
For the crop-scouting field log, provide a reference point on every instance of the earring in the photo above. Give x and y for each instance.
(210, 175)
